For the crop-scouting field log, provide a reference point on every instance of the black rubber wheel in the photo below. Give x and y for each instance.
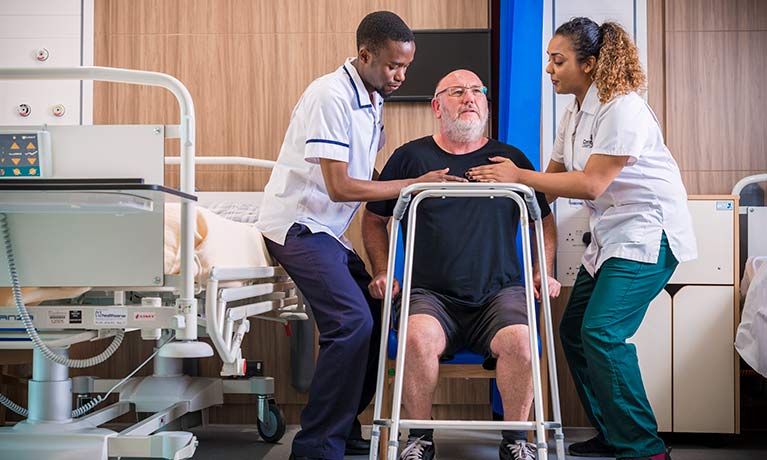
(276, 429)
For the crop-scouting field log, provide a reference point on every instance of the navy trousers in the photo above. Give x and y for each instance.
(334, 282)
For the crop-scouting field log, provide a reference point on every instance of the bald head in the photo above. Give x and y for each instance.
(460, 77)
(460, 105)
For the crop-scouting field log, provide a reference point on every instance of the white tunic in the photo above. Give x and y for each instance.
(645, 199)
(334, 119)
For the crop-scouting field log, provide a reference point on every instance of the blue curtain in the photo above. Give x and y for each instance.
(519, 92)
(519, 84)
(519, 79)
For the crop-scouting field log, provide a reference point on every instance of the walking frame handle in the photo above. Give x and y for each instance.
(527, 193)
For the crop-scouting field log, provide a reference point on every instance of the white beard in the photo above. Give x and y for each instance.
(462, 131)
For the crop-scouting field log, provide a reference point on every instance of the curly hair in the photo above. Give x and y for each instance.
(618, 69)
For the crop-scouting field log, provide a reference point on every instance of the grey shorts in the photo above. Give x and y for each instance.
(472, 328)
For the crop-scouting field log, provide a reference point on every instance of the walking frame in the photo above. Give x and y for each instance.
(520, 194)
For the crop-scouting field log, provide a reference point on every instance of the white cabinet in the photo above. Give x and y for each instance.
(704, 360)
(713, 221)
(653, 342)
(685, 343)
(46, 33)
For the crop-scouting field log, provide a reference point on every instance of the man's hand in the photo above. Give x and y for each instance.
(554, 286)
(439, 175)
(377, 287)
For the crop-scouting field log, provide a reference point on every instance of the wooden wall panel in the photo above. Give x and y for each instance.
(656, 54)
(713, 182)
(714, 106)
(714, 101)
(716, 15)
(246, 63)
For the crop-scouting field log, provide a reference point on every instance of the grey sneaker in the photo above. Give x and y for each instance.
(418, 449)
(518, 450)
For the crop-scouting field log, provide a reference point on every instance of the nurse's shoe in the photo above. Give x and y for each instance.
(518, 450)
(662, 456)
(593, 447)
(418, 449)
(357, 446)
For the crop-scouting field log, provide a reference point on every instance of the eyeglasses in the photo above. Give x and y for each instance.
(460, 91)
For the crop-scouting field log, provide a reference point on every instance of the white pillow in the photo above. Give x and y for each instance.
(235, 210)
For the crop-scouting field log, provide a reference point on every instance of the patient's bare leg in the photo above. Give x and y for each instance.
(512, 373)
(425, 342)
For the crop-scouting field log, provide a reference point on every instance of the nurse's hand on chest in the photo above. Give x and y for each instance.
(502, 170)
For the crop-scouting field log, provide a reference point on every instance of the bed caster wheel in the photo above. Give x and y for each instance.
(274, 428)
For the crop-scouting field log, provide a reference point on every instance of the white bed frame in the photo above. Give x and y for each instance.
(35, 208)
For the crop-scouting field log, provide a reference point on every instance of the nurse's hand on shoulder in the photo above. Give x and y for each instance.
(439, 175)
(554, 286)
(377, 287)
(503, 170)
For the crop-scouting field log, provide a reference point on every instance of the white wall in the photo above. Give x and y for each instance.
(631, 14)
(64, 28)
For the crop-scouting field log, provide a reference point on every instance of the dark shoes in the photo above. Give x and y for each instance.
(593, 447)
(667, 457)
(353, 447)
(357, 446)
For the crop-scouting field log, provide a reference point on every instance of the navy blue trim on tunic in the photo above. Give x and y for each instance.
(326, 141)
(351, 80)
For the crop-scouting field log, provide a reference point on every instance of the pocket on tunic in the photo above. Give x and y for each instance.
(629, 223)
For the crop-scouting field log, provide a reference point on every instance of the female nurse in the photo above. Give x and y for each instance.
(609, 151)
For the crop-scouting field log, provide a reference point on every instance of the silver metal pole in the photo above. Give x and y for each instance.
(549, 329)
(50, 390)
(532, 326)
(375, 432)
(399, 368)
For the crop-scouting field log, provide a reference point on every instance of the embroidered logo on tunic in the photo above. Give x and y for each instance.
(588, 143)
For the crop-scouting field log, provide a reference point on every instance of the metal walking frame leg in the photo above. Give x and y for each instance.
(559, 436)
(529, 210)
(375, 432)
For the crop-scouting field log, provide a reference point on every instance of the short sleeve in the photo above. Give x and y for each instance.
(392, 171)
(558, 151)
(621, 128)
(524, 163)
(327, 119)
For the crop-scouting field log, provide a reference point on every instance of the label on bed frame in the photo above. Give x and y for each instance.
(58, 317)
(110, 317)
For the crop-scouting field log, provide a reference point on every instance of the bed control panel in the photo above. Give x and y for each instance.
(24, 154)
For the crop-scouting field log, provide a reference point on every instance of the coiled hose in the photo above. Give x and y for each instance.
(27, 321)
(38, 342)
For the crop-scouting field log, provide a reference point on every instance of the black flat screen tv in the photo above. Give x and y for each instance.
(439, 52)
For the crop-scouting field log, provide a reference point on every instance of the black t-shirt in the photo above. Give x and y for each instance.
(465, 247)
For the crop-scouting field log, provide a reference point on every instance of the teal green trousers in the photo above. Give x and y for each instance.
(601, 314)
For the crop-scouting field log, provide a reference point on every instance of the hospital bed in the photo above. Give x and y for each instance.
(83, 208)
(751, 337)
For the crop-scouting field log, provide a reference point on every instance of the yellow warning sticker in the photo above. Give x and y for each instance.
(15, 160)
(31, 146)
(32, 160)
(15, 146)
